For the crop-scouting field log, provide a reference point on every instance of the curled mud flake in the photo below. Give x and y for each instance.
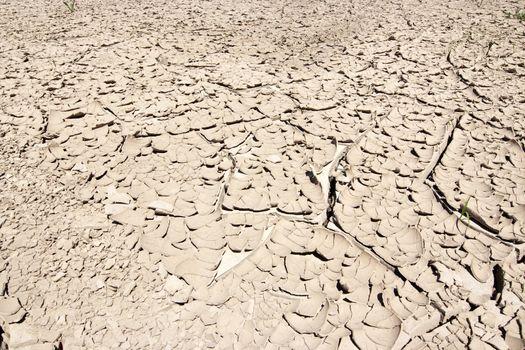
(302, 324)
(10, 310)
(374, 328)
(178, 289)
(117, 197)
(282, 334)
(132, 145)
(161, 207)
(129, 217)
(160, 143)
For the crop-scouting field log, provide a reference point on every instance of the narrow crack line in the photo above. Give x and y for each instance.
(274, 212)
(442, 323)
(400, 54)
(280, 292)
(312, 109)
(447, 139)
(299, 127)
(107, 109)
(222, 192)
(438, 307)
(82, 55)
(234, 150)
(247, 88)
(293, 98)
(226, 86)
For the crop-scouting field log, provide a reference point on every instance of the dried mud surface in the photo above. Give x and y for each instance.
(246, 175)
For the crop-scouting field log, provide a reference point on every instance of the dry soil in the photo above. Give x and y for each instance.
(262, 175)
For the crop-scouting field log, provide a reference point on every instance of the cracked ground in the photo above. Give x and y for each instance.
(259, 175)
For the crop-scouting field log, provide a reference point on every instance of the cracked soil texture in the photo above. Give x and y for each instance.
(262, 175)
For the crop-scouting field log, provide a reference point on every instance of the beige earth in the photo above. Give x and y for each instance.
(262, 175)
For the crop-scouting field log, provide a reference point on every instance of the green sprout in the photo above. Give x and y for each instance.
(464, 211)
(519, 14)
(71, 5)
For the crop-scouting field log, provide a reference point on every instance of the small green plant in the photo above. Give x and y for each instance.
(519, 14)
(464, 212)
(71, 5)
